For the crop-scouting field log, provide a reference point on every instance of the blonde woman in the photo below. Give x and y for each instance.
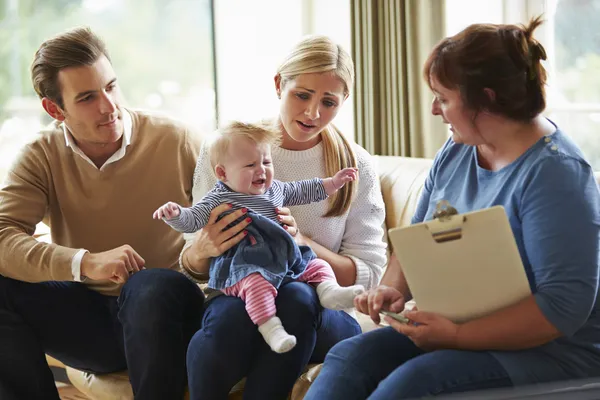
(313, 83)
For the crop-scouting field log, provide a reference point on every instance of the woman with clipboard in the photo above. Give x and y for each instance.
(488, 83)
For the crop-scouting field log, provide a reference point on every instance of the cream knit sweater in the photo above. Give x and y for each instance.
(357, 234)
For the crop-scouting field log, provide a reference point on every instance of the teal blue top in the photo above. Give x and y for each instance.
(552, 201)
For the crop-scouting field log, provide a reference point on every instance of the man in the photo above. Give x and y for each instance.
(104, 296)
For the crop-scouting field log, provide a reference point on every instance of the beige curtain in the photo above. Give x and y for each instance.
(391, 40)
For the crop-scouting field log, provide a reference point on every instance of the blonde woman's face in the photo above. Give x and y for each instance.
(308, 104)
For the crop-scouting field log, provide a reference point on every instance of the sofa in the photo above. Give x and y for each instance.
(401, 179)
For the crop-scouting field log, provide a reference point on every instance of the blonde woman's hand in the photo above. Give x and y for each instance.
(215, 238)
(379, 298)
(284, 215)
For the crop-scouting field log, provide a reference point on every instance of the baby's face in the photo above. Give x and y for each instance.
(248, 167)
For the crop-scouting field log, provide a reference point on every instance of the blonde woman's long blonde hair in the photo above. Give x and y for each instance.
(318, 54)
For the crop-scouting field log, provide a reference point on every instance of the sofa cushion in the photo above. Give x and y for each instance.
(101, 387)
(402, 180)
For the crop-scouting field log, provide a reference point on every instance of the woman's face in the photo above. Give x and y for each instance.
(448, 104)
(308, 103)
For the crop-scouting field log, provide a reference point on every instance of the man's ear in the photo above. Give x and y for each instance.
(53, 109)
(220, 172)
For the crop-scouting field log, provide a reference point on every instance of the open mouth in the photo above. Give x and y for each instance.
(259, 182)
(305, 126)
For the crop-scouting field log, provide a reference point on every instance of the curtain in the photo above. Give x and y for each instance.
(391, 39)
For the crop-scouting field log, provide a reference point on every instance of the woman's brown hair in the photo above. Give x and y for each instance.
(503, 59)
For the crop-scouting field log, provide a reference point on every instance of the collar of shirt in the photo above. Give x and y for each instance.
(127, 130)
(221, 187)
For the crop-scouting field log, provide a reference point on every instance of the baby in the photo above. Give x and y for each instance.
(268, 256)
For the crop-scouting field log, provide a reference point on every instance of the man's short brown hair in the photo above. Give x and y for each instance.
(74, 48)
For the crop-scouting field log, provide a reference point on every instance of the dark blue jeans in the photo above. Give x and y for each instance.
(229, 346)
(384, 364)
(146, 330)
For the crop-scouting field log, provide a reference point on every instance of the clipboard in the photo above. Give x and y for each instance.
(462, 266)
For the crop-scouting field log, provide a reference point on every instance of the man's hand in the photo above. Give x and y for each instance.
(167, 211)
(380, 298)
(115, 265)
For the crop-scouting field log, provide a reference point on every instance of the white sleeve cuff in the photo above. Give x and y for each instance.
(76, 265)
(367, 274)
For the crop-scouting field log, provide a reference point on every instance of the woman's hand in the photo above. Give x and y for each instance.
(380, 298)
(214, 239)
(284, 215)
(429, 331)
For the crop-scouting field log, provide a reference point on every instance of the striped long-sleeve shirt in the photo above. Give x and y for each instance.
(280, 194)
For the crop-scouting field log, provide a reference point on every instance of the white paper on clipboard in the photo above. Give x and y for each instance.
(462, 266)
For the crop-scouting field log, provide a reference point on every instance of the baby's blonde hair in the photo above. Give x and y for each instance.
(259, 133)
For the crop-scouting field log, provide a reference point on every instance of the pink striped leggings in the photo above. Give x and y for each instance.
(259, 295)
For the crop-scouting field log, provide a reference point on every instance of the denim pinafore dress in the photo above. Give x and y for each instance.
(267, 249)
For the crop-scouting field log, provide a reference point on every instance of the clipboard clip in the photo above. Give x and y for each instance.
(446, 224)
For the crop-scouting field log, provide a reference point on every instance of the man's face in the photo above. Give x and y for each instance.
(92, 103)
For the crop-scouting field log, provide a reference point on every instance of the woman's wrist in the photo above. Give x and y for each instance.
(302, 240)
(193, 265)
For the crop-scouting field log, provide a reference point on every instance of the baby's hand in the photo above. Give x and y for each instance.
(167, 211)
(343, 176)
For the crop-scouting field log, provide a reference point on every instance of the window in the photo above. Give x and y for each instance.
(574, 62)
(161, 52)
(462, 13)
(251, 39)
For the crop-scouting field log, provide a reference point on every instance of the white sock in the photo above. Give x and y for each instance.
(276, 337)
(336, 297)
